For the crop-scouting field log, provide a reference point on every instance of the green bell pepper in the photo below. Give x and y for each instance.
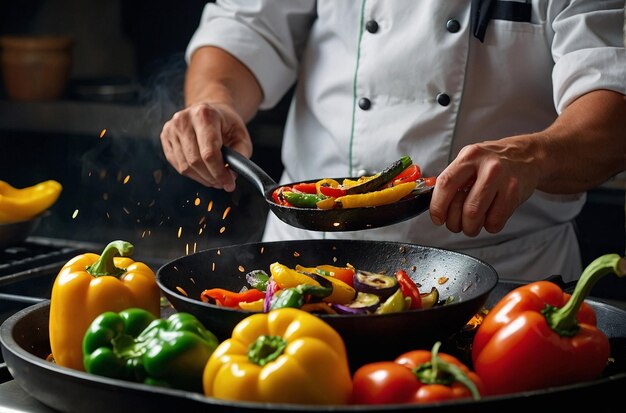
(133, 345)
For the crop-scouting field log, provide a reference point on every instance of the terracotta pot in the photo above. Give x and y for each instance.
(36, 68)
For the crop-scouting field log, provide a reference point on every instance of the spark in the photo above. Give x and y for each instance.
(196, 202)
(126, 210)
(180, 231)
(241, 268)
(187, 249)
(102, 133)
(126, 179)
(210, 207)
(75, 214)
(226, 211)
(200, 231)
(194, 247)
(222, 230)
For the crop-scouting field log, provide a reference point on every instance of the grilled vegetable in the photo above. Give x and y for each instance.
(286, 277)
(378, 180)
(417, 376)
(369, 199)
(133, 345)
(87, 286)
(26, 203)
(374, 283)
(538, 336)
(284, 356)
(363, 303)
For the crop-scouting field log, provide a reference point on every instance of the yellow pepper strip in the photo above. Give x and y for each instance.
(284, 356)
(286, 277)
(25, 203)
(87, 286)
(376, 198)
(256, 306)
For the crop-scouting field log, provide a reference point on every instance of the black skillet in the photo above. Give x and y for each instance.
(341, 219)
(460, 279)
(25, 345)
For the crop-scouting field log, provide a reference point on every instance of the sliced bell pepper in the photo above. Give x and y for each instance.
(345, 274)
(284, 356)
(409, 289)
(301, 200)
(539, 336)
(286, 277)
(87, 286)
(19, 204)
(305, 187)
(411, 173)
(277, 195)
(417, 376)
(375, 198)
(226, 298)
(330, 187)
(133, 345)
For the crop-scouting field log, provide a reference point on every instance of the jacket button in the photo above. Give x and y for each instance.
(453, 25)
(371, 26)
(365, 103)
(443, 99)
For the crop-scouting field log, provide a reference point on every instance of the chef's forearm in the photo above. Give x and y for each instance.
(586, 145)
(215, 76)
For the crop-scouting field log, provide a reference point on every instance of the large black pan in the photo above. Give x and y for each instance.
(330, 220)
(367, 337)
(25, 344)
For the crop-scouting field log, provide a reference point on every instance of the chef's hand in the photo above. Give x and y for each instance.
(484, 185)
(193, 138)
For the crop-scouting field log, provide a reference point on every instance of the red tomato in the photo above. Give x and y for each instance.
(399, 381)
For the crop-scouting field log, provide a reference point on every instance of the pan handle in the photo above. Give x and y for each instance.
(248, 169)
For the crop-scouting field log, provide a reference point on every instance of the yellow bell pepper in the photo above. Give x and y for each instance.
(20, 204)
(370, 199)
(284, 356)
(286, 277)
(87, 286)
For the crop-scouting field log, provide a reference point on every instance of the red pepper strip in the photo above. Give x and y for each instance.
(411, 173)
(231, 299)
(332, 192)
(430, 181)
(305, 188)
(409, 289)
(538, 336)
(417, 376)
(278, 197)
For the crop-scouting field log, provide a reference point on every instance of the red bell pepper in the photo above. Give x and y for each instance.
(305, 188)
(409, 289)
(411, 173)
(231, 299)
(278, 196)
(538, 336)
(418, 376)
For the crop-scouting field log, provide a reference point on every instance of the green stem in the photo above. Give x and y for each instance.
(441, 372)
(266, 349)
(105, 264)
(563, 320)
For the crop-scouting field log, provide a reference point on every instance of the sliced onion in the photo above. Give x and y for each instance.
(272, 287)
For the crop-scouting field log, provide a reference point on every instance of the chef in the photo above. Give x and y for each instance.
(517, 107)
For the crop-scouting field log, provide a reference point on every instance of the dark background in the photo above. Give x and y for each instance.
(138, 46)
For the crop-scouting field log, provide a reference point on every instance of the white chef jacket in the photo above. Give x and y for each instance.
(432, 88)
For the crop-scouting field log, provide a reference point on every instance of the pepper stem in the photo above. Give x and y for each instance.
(266, 349)
(105, 264)
(441, 372)
(563, 320)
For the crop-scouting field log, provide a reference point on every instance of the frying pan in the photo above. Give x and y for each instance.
(13, 233)
(330, 220)
(25, 344)
(468, 282)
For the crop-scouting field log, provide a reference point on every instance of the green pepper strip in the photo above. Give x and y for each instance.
(563, 320)
(439, 371)
(266, 349)
(303, 200)
(295, 297)
(105, 264)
